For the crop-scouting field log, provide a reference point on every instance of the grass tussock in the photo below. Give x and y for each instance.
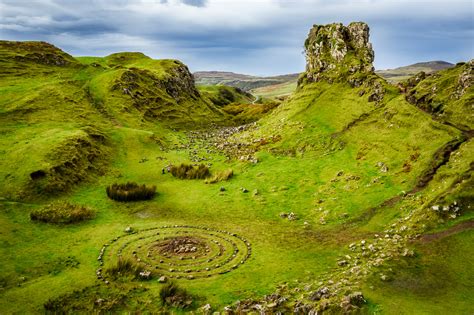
(187, 171)
(124, 267)
(62, 212)
(173, 295)
(220, 176)
(130, 192)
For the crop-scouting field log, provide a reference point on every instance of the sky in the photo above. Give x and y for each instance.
(259, 37)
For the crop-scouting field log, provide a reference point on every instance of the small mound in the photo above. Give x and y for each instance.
(62, 212)
(76, 158)
(123, 58)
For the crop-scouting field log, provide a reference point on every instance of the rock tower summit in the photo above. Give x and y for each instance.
(335, 51)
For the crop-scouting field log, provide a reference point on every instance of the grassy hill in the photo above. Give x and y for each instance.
(351, 195)
(62, 109)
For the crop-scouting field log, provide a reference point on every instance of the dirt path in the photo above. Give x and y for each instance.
(256, 99)
(452, 230)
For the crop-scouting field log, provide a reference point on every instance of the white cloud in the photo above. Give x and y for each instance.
(205, 33)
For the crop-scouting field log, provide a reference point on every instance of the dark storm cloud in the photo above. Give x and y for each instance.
(253, 36)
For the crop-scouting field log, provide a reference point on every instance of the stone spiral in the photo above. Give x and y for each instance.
(178, 251)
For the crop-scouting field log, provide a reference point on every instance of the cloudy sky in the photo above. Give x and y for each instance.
(262, 37)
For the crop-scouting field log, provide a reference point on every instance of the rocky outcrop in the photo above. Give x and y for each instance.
(335, 52)
(465, 79)
(447, 95)
(180, 82)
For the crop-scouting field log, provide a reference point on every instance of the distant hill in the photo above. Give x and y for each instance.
(242, 81)
(284, 85)
(403, 73)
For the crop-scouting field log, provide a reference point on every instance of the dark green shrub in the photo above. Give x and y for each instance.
(130, 192)
(62, 212)
(171, 294)
(188, 171)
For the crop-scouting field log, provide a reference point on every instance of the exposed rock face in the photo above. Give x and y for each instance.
(178, 84)
(335, 51)
(465, 80)
(181, 83)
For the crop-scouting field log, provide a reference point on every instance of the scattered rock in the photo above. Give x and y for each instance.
(206, 308)
(145, 274)
(292, 216)
(99, 301)
(382, 167)
(162, 279)
(357, 299)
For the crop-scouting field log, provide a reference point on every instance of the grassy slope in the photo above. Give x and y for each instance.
(310, 121)
(437, 281)
(441, 95)
(311, 128)
(321, 135)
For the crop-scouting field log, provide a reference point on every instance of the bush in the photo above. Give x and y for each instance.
(187, 171)
(171, 294)
(62, 212)
(130, 192)
(221, 176)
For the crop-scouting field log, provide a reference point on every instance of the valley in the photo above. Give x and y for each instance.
(334, 192)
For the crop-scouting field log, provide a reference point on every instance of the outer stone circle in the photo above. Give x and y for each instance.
(178, 251)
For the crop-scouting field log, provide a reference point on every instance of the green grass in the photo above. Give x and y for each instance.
(437, 281)
(322, 165)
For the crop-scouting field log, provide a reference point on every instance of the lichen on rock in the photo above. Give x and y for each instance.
(335, 52)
